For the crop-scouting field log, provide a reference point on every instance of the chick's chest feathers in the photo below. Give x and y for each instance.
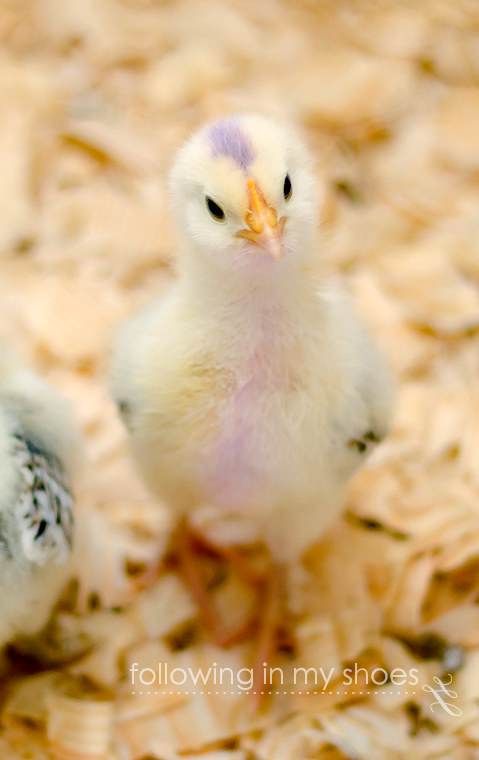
(196, 359)
(236, 406)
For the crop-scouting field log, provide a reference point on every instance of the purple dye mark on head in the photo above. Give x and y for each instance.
(228, 139)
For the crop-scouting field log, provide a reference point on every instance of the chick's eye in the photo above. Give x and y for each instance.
(287, 188)
(215, 210)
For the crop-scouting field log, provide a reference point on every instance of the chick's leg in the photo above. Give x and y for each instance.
(269, 622)
(275, 631)
(188, 543)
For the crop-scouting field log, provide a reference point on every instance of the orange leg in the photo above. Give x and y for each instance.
(274, 631)
(187, 546)
(268, 623)
(234, 557)
(188, 543)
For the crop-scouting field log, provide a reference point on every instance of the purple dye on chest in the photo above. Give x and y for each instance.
(228, 139)
(241, 453)
(233, 476)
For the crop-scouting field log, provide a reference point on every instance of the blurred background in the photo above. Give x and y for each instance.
(95, 98)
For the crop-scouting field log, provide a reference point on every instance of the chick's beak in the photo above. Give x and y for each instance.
(264, 230)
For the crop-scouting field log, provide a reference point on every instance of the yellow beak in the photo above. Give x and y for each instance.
(264, 230)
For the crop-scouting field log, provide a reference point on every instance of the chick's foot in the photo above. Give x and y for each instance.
(192, 551)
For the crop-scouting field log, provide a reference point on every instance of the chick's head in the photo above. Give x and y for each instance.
(244, 195)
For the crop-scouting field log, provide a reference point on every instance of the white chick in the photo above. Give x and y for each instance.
(39, 444)
(250, 385)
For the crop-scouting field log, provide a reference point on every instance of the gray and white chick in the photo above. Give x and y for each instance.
(39, 447)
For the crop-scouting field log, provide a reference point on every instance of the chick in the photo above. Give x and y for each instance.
(250, 385)
(39, 445)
